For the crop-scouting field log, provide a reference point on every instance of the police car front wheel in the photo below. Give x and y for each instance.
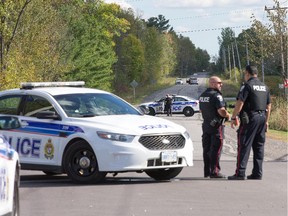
(188, 111)
(81, 164)
(151, 111)
(164, 174)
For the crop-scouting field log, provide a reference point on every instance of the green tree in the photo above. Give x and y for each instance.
(131, 61)
(186, 61)
(11, 14)
(90, 48)
(153, 51)
(168, 59)
(159, 23)
(132, 37)
(202, 60)
(226, 43)
(33, 53)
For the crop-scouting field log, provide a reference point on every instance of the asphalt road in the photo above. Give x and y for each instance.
(135, 194)
(132, 194)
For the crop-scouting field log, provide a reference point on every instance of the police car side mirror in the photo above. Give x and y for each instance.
(9, 122)
(48, 115)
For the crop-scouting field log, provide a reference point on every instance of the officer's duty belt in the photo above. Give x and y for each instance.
(257, 111)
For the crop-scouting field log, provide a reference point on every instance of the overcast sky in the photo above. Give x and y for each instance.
(202, 20)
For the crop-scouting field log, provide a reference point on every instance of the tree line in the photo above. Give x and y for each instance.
(264, 44)
(101, 44)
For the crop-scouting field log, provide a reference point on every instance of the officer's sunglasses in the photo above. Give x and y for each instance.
(220, 83)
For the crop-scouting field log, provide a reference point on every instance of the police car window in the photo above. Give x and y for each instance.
(9, 123)
(73, 105)
(10, 104)
(94, 105)
(178, 99)
(35, 104)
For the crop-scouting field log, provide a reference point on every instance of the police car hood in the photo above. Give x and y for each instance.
(133, 124)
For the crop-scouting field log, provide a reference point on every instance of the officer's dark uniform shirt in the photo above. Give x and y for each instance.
(210, 101)
(168, 101)
(255, 95)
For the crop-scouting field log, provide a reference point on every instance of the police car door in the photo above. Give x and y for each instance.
(178, 104)
(160, 104)
(37, 140)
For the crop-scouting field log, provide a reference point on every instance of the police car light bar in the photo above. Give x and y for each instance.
(31, 85)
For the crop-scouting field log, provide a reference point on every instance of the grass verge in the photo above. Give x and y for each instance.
(278, 135)
(143, 91)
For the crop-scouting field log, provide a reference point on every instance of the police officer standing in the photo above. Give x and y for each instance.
(212, 107)
(253, 107)
(168, 105)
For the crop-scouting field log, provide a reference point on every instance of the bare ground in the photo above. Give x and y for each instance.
(275, 150)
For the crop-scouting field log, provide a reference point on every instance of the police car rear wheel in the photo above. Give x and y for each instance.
(188, 111)
(164, 174)
(81, 164)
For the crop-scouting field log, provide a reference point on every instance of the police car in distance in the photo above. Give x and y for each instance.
(180, 105)
(87, 133)
(9, 170)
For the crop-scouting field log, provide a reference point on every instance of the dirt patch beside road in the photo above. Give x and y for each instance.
(275, 150)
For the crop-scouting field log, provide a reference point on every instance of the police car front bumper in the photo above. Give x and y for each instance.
(119, 156)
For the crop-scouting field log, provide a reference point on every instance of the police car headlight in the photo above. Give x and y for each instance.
(115, 136)
(187, 135)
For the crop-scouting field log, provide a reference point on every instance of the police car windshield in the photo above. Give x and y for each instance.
(92, 104)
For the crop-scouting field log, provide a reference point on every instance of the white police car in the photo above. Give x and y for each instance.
(180, 105)
(9, 171)
(88, 133)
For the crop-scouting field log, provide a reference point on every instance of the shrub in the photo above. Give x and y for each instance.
(278, 118)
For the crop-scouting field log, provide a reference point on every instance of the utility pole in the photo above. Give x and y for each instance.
(282, 28)
(262, 63)
(247, 52)
(229, 59)
(237, 52)
(224, 58)
(234, 65)
(281, 34)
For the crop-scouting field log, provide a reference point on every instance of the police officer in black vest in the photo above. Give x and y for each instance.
(212, 107)
(168, 105)
(253, 107)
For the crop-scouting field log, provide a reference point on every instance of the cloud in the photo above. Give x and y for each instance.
(202, 4)
(195, 4)
(123, 4)
(240, 16)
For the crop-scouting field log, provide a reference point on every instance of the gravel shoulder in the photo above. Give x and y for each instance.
(275, 150)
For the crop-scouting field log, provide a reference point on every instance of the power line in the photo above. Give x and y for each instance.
(212, 29)
(217, 14)
(133, 1)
